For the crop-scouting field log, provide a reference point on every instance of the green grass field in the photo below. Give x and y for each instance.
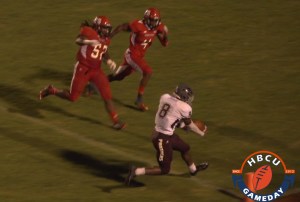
(240, 57)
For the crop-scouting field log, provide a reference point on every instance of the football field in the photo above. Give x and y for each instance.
(241, 58)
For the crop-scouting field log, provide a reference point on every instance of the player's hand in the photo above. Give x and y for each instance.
(162, 33)
(166, 29)
(111, 64)
(163, 36)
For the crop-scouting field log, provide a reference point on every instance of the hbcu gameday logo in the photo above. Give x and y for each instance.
(260, 179)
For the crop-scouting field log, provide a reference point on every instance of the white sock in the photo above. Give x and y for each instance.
(192, 168)
(140, 171)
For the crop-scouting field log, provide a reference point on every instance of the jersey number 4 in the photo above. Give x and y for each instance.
(145, 43)
(98, 51)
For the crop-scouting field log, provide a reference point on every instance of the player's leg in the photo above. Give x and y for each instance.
(164, 155)
(140, 65)
(79, 80)
(134, 171)
(179, 145)
(101, 82)
(143, 83)
(122, 72)
(164, 152)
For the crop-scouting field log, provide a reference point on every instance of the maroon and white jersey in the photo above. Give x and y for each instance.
(170, 111)
(88, 55)
(141, 37)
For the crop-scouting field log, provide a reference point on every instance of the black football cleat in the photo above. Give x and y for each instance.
(48, 90)
(200, 167)
(130, 176)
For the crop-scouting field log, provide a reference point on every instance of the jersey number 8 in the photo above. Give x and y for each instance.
(163, 112)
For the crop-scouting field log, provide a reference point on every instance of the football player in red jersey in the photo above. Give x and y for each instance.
(93, 41)
(143, 33)
(174, 110)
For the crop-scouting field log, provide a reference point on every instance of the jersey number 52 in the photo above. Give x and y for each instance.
(98, 51)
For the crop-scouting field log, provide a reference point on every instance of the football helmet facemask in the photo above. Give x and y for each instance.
(151, 18)
(102, 25)
(184, 93)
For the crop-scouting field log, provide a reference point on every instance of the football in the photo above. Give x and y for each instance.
(200, 124)
(262, 177)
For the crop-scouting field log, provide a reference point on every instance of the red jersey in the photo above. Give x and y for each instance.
(91, 56)
(141, 37)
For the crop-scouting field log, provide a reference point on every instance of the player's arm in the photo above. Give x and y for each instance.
(191, 126)
(111, 64)
(122, 27)
(162, 35)
(82, 40)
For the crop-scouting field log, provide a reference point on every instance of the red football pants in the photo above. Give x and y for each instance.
(82, 75)
(133, 63)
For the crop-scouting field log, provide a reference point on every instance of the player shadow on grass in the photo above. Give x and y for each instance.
(23, 102)
(46, 74)
(226, 192)
(110, 169)
(245, 135)
(119, 102)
